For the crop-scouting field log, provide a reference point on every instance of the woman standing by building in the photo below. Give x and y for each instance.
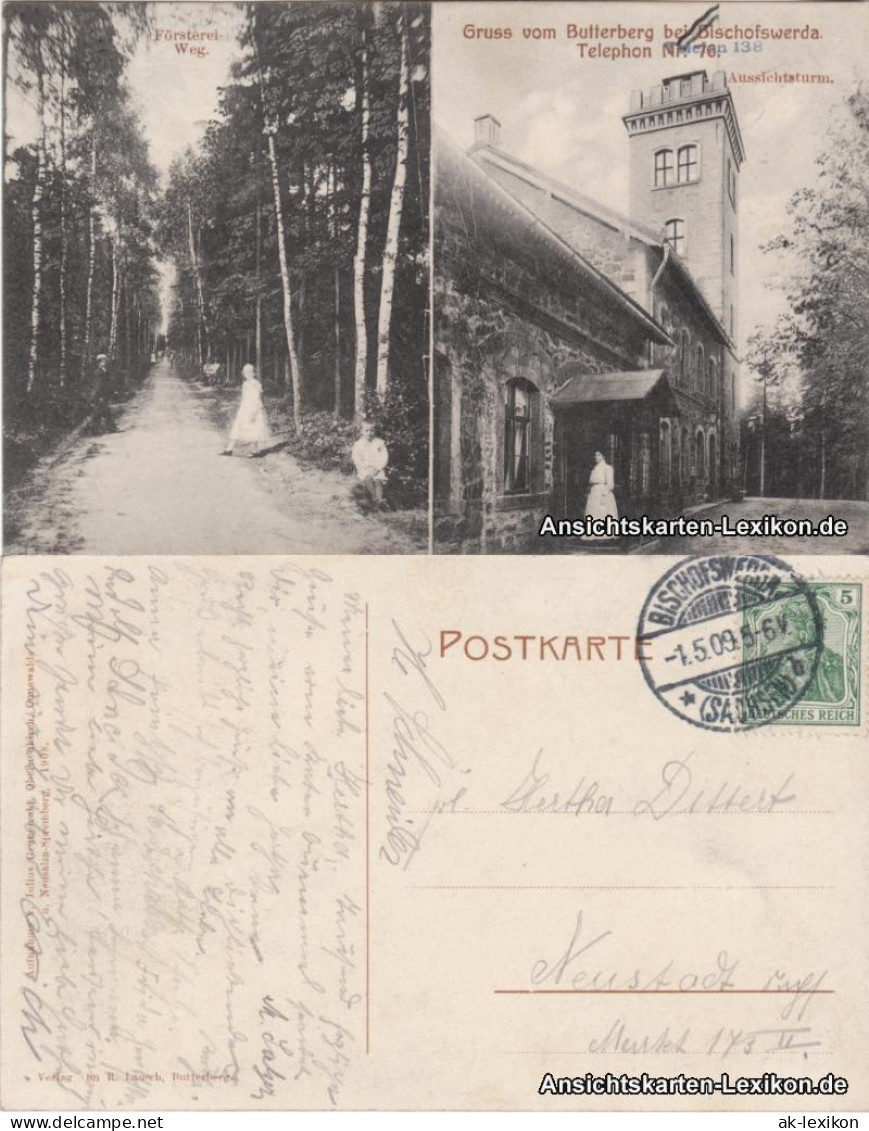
(601, 499)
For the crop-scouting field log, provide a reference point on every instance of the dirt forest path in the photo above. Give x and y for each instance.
(161, 486)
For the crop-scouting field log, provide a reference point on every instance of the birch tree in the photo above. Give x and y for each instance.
(36, 213)
(64, 234)
(270, 129)
(116, 240)
(393, 228)
(95, 66)
(334, 229)
(92, 258)
(69, 62)
(31, 25)
(201, 348)
(362, 226)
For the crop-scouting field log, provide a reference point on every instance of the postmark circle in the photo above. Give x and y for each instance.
(730, 643)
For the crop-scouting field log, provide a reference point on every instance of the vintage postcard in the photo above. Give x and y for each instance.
(427, 833)
(312, 311)
(651, 263)
(216, 244)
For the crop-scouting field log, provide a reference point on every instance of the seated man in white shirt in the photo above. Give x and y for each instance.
(370, 458)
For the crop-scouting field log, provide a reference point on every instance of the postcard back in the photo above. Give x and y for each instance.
(425, 834)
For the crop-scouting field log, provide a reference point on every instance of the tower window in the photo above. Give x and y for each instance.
(732, 255)
(663, 168)
(689, 164)
(675, 236)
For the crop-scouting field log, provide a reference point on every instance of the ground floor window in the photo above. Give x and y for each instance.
(519, 398)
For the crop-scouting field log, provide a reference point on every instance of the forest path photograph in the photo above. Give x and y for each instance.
(216, 235)
(91, 497)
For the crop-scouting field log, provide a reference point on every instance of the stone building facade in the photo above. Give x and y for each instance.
(563, 327)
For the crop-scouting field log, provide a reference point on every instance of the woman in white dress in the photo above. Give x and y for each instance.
(251, 426)
(601, 501)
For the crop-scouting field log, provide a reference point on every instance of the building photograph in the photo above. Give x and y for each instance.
(605, 291)
(216, 293)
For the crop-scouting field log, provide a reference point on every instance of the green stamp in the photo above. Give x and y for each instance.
(832, 698)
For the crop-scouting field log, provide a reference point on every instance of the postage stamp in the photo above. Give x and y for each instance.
(833, 696)
(735, 643)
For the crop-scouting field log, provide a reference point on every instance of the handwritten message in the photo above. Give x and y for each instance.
(189, 866)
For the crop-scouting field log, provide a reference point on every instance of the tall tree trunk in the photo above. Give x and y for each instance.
(36, 213)
(337, 376)
(295, 376)
(92, 257)
(763, 439)
(301, 300)
(362, 232)
(126, 296)
(332, 183)
(201, 337)
(7, 39)
(393, 227)
(822, 492)
(63, 226)
(270, 129)
(116, 289)
(259, 252)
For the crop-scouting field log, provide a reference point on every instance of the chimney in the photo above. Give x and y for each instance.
(487, 130)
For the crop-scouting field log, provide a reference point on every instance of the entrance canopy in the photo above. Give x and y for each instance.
(576, 388)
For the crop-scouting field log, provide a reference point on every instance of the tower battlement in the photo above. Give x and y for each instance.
(677, 88)
(688, 97)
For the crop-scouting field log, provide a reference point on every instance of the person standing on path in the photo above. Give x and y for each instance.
(103, 420)
(251, 426)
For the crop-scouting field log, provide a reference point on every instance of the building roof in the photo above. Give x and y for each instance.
(577, 387)
(450, 154)
(496, 158)
(557, 204)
